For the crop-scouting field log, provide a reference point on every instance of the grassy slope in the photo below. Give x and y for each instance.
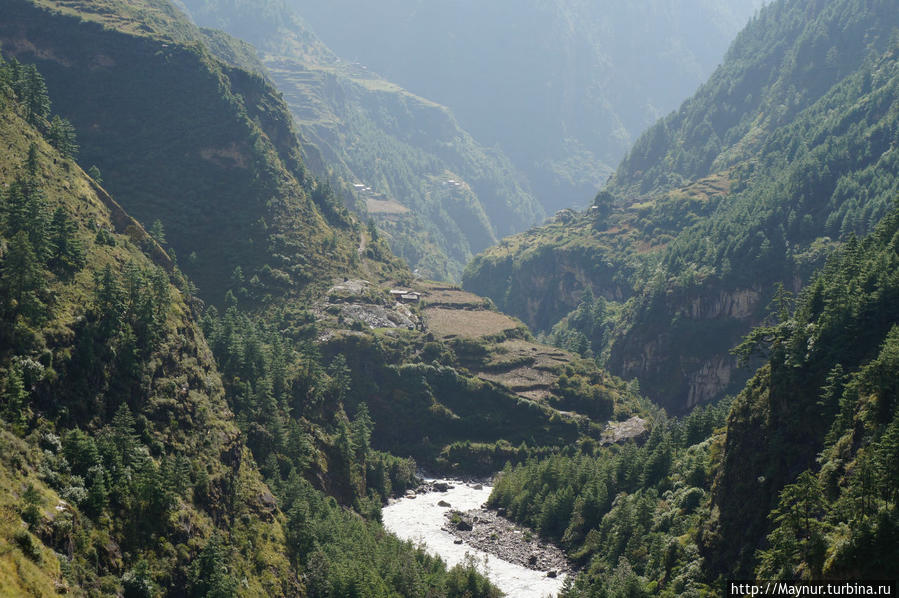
(179, 396)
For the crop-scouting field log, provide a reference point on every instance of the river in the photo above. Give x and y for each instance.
(421, 520)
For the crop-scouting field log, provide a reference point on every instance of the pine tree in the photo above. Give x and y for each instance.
(15, 398)
(109, 303)
(31, 162)
(798, 534)
(36, 99)
(61, 135)
(22, 279)
(67, 251)
(362, 427)
(138, 583)
(94, 173)
(209, 575)
(123, 434)
(157, 231)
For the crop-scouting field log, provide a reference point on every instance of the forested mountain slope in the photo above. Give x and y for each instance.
(302, 238)
(206, 148)
(796, 478)
(698, 263)
(121, 462)
(788, 58)
(128, 458)
(562, 87)
(438, 194)
(821, 416)
(251, 467)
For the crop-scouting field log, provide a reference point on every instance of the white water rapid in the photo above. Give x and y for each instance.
(421, 520)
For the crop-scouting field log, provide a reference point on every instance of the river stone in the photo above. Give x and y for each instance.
(443, 503)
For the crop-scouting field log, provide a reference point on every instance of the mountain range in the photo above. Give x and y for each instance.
(221, 353)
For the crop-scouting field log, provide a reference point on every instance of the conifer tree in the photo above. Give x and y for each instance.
(67, 250)
(22, 278)
(61, 135)
(36, 100)
(15, 398)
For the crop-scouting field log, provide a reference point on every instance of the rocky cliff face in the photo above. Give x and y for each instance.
(740, 304)
(680, 351)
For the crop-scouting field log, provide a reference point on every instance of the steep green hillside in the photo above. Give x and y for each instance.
(700, 261)
(121, 461)
(128, 461)
(448, 380)
(205, 148)
(789, 57)
(796, 478)
(628, 514)
(285, 224)
(562, 87)
(439, 195)
(821, 416)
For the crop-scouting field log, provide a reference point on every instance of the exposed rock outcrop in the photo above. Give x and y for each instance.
(486, 530)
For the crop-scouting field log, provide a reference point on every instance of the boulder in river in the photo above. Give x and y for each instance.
(552, 574)
(443, 503)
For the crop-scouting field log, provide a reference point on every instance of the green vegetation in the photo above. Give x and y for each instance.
(140, 460)
(102, 378)
(152, 443)
(627, 514)
(788, 58)
(799, 484)
(213, 156)
(825, 403)
(691, 266)
(125, 471)
(453, 405)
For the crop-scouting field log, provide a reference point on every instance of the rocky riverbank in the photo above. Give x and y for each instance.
(488, 531)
